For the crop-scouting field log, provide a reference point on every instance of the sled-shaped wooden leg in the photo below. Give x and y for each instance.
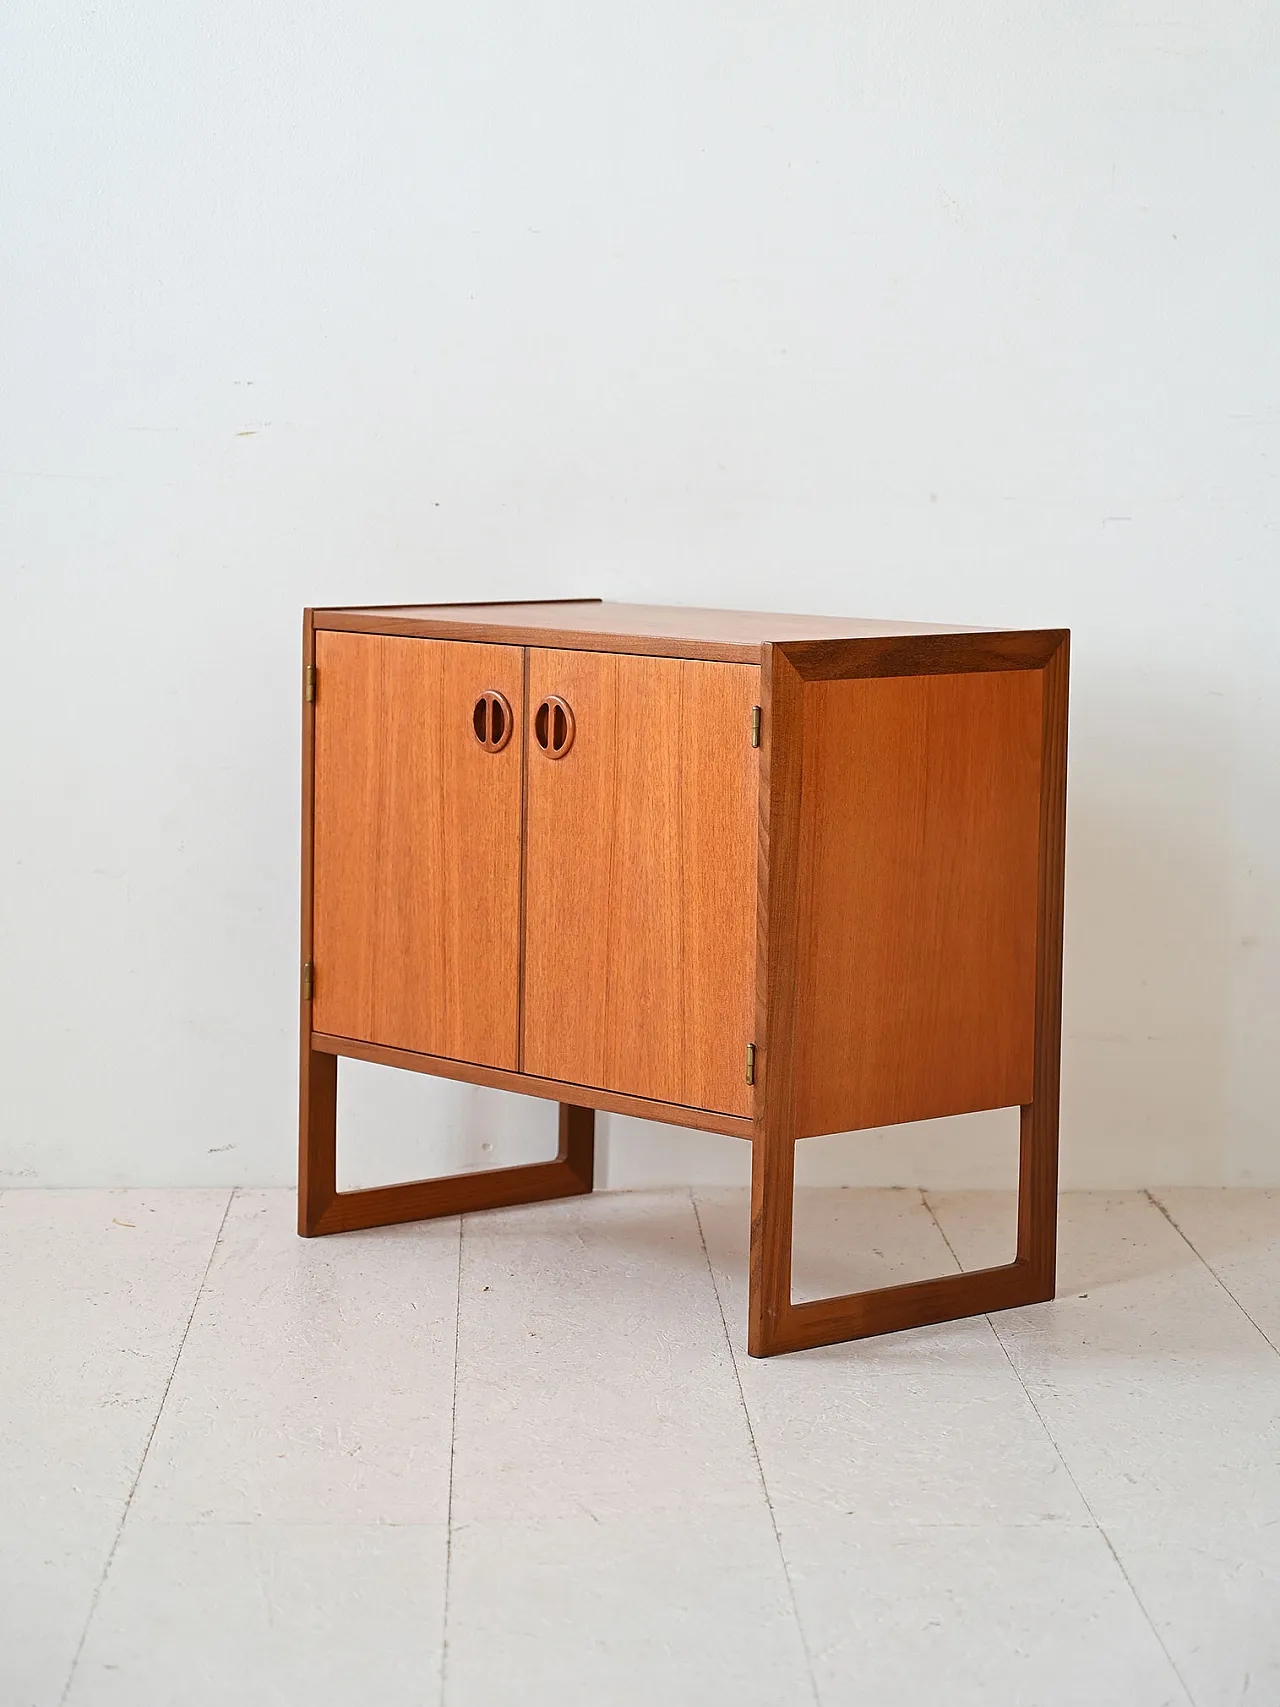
(776, 1324)
(322, 1208)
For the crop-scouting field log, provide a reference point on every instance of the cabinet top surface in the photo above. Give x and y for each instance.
(594, 624)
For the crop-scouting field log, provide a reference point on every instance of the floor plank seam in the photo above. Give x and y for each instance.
(142, 1461)
(1093, 1516)
(453, 1446)
(1201, 1258)
(755, 1453)
(923, 1511)
(924, 1200)
(1048, 1434)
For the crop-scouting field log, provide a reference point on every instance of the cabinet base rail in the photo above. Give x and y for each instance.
(322, 1208)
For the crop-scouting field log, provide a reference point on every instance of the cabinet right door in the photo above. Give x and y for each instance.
(640, 881)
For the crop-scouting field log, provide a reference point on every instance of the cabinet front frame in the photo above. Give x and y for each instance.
(469, 1072)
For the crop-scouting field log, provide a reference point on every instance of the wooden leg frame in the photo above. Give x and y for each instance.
(775, 1323)
(322, 1208)
(778, 1325)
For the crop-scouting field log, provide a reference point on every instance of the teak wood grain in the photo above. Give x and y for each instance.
(1038, 1156)
(873, 897)
(677, 631)
(526, 1084)
(323, 1209)
(416, 847)
(1028, 735)
(773, 1141)
(570, 1174)
(915, 965)
(923, 654)
(640, 879)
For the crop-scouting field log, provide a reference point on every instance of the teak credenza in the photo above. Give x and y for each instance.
(771, 876)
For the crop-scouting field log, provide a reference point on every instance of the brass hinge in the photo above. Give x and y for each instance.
(310, 687)
(308, 980)
(751, 1063)
(755, 725)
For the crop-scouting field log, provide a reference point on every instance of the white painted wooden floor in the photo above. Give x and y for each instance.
(526, 1459)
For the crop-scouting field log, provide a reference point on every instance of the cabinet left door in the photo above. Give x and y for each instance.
(416, 861)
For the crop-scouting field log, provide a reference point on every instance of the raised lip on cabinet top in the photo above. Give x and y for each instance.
(597, 625)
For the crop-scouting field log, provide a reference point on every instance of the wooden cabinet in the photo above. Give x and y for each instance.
(771, 876)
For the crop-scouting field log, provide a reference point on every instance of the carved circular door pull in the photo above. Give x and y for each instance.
(492, 720)
(553, 726)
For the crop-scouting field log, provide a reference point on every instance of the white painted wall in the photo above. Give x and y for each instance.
(883, 308)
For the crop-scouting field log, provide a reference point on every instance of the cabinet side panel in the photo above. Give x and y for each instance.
(417, 847)
(920, 820)
(641, 880)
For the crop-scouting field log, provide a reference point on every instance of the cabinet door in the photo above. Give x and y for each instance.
(640, 902)
(417, 845)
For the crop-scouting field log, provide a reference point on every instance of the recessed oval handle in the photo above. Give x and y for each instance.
(553, 726)
(492, 720)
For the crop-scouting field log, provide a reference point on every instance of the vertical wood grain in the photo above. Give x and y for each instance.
(955, 798)
(920, 826)
(317, 1075)
(523, 733)
(773, 1140)
(317, 1137)
(641, 879)
(1038, 1170)
(577, 1147)
(416, 847)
